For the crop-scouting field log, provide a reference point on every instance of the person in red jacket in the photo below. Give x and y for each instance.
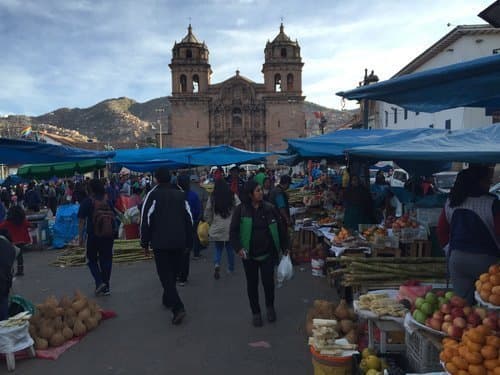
(18, 228)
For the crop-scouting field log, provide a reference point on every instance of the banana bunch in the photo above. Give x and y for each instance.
(16, 320)
(381, 304)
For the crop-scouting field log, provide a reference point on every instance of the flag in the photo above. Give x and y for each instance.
(26, 131)
(318, 114)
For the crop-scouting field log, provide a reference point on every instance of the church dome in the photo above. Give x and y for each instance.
(282, 38)
(190, 37)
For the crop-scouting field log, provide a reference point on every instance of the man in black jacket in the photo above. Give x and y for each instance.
(7, 257)
(167, 227)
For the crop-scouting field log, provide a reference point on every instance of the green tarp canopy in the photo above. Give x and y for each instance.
(67, 169)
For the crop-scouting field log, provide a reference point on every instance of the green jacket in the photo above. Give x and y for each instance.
(242, 226)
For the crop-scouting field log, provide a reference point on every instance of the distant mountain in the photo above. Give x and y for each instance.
(124, 121)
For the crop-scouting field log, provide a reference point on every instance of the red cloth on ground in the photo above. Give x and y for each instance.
(19, 233)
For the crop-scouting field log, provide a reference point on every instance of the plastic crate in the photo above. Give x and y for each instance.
(422, 355)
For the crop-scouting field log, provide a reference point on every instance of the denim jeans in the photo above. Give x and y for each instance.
(219, 248)
(100, 259)
(4, 307)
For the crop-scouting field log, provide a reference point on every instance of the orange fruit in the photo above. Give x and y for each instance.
(477, 370)
(474, 358)
(486, 287)
(494, 299)
(494, 269)
(491, 364)
(460, 362)
(495, 279)
(477, 336)
(478, 284)
(485, 294)
(489, 352)
(452, 369)
(473, 347)
(484, 277)
(493, 341)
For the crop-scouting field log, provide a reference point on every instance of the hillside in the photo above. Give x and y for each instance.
(125, 121)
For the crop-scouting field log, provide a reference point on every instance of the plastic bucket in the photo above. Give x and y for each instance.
(131, 231)
(326, 365)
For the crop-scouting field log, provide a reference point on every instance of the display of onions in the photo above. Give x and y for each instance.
(56, 322)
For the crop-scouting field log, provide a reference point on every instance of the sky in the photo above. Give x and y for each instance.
(65, 53)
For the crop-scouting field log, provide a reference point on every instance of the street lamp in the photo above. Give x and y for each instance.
(158, 120)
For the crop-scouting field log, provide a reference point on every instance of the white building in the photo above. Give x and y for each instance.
(463, 43)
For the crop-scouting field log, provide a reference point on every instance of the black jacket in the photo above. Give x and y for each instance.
(166, 221)
(7, 257)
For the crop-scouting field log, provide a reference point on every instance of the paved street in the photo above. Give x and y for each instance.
(141, 340)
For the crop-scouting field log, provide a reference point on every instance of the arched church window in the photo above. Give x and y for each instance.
(289, 82)
(189, 54)
(196, 84)
(283, 52)
(277, 83)
(236, 123)
(183, 83)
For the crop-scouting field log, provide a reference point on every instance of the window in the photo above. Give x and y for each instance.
(189, 54)
(386, 118)
(277, 83)
(395, 115)
(406, 114)
(283, 52)
(495, 117)
(289, 82)
(197, 124)
(183, 83)
(431, 126)
(279, 123)
(447, 124)
(196, 83)
(237, 118)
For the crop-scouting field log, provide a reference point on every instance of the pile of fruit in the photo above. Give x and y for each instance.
(342, 236)
(344, 317)
(403, 222)
(371, 364)
(56, 322)
(488, 285)
(326, 221)
(476, 354)
(373, 231)
(381, 305)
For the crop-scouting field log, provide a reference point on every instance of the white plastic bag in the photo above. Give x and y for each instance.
(285, 269)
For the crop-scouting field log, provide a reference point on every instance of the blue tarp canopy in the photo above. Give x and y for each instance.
(149, 159)
(16, 151)
(334, 145)
(480, 145)
(472, 83)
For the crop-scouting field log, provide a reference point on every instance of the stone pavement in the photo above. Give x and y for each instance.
(214, 338)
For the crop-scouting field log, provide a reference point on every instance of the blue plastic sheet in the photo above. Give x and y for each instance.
(66, 225)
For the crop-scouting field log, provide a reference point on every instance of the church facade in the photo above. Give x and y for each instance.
(238, 112)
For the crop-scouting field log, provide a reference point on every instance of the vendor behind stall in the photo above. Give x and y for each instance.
(358, 205)
(469, 228)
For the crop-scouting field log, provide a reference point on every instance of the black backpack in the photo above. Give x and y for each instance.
(103, 219)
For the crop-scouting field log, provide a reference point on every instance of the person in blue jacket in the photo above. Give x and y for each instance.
(183, 182)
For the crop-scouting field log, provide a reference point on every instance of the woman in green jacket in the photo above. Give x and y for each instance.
(258, 235)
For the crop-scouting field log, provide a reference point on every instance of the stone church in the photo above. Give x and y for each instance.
(238, 112)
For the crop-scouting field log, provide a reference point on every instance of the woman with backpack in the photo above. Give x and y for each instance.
(218, 213)
(97, 222)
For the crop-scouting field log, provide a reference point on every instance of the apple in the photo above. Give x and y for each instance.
(459, 322)
(457, 301)
(440, 293)
(457, 312)
(448, 318)
(428, 322)
(467, 310)
(436, 324)
(474, 319)
(446, 308)
(448, 295)
(490, 323)
(438, 315)
(445, 326)
(481, 311)
(455, 332)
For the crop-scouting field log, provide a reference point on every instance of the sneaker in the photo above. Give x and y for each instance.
(257, 320)
(182, 283)
(217, 273)
(106, 291)
(271, 315)
(178, 317)
(100, 289)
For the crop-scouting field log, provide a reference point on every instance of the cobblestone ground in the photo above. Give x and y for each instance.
(214, 339)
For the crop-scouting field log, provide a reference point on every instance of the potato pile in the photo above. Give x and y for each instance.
(476, 354)
(488, 285)
(344, 316)
(56, 322)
